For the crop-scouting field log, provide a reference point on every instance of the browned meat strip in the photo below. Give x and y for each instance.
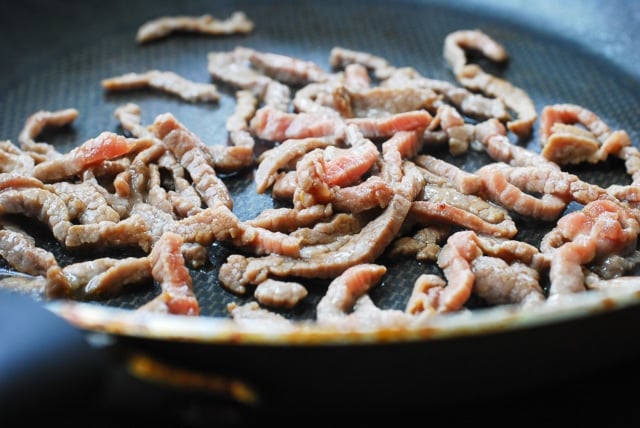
(601, 229)
(492, 135)
(161, 27)
(130, 117)
(38, 203)
(346, 289)
(233, 68)
(167, 81)
(252, 314)
(287, 69)
(280, 294)
(439, 211)
(227, 227)
(402, 145)
(548, 207)
(372, 193)
(380, 101)
(311, 188)
(290, 219)
(451, 123)
(463, 181)
(345, 167)
(85, 204)
(570, 144)
(14, 160)
(158, 195)
(340, 225)
(36, 123)
(514, 97)
(474, 78)
(193, 154)
(507, 185)
(425, 294)
(631, 157)
(499, 283)
(168, 269)
(457, 42)
(472, 264)
(230, 159)
(340, 57)
(16, 181)
(283, 155)
(93, 278)
(105, 146)
(424, 244)
(21, 253)
(471, 104)
(129, 231)
(564, 142)
(284, 186)
(275, 125)
(237, 123)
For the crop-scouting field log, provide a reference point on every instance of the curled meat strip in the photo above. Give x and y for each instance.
(500, 190)
(343, 292)
(36, 124)
(347, 293)
(20, 251)
(38, 203)
(455, 44)
(565, 143)
(474, 78)
(602, 228)
(486, 266)
(513, 188)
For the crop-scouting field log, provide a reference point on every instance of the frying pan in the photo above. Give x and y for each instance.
(60, 53)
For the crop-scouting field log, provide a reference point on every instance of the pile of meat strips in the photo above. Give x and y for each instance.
(347, 159)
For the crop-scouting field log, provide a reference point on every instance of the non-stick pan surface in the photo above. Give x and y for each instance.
(72, 46)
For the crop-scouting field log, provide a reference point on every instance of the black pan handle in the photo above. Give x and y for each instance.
(44, 361)
(50, 368)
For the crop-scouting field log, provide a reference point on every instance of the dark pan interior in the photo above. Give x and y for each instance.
(66, 70)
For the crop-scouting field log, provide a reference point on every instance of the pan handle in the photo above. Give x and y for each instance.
(44, 361)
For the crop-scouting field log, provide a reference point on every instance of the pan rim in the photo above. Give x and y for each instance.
(96, 318)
